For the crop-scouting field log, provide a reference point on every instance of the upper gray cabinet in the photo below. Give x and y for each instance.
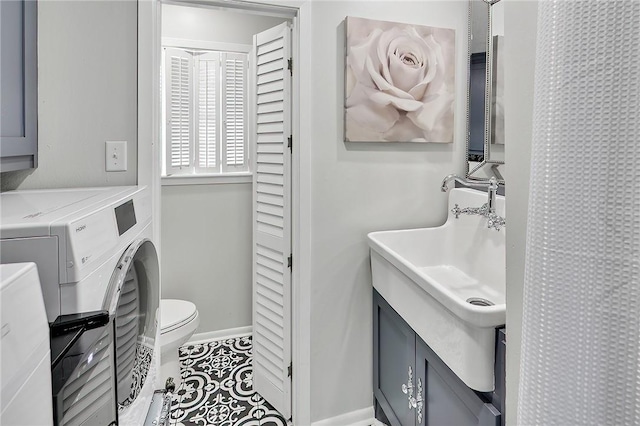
(19, 85)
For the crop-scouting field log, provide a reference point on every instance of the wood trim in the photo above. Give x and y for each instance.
(360, 417)
(185, 43)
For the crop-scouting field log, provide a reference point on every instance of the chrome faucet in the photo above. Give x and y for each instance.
(492, 191)
(488, 209)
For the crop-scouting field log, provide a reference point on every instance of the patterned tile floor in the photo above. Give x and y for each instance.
(217, 387)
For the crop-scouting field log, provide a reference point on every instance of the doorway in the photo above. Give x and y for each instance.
(216, 193)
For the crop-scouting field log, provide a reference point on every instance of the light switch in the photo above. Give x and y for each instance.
(116, 156)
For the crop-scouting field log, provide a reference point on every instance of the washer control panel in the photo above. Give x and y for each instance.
(93, 237)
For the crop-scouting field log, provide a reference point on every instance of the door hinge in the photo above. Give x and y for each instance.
(290, 66)
(290, 143)
(290, 370)
(290, 261)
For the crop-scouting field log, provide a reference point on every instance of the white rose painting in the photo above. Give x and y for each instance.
(399, 83)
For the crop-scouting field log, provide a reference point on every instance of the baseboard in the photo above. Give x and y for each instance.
(229, 333)
(363, 417)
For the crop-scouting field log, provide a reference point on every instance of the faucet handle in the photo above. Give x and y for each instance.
(496, 222)
(493, 183)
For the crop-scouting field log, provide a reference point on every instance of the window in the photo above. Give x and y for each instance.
(205, 112)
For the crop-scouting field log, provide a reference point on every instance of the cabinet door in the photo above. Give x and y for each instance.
(393, 363)
(443, 399)
(18, 84)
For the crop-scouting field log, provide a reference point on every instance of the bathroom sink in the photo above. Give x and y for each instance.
(448, 284)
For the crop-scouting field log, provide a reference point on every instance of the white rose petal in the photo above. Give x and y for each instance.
(374, 116)
(360, 54)
(362, 108)
(435, 118)
(405, 77)
(401, 103)
(404, 130)
(383, 84)
(435, 73)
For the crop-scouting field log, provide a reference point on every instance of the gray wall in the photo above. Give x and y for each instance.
(357, 188)
(520, 49)
(206, 230)
(206, 251)
(87, 94)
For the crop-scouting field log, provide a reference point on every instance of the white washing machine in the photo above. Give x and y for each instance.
(100, 281)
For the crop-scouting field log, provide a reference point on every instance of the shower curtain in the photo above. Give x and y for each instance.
(581, 314)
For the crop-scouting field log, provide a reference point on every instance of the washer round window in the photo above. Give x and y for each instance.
(132, 301)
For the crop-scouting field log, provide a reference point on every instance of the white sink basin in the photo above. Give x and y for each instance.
(428, 275)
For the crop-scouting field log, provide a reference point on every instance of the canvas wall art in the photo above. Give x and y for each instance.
(399, 82)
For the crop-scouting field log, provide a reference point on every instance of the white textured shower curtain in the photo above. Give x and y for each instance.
(581, 326)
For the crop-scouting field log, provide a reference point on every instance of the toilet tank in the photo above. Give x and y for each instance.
(25, 366)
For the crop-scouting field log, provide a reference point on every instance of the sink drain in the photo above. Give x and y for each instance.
(479, 301)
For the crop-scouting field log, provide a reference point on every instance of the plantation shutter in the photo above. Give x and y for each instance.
(178, 79)
(234, 94)
(207, 101)
(272, 218)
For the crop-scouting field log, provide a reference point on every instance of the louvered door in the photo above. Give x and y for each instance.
(272, 218)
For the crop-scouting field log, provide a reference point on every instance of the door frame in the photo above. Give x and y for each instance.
(149, 149)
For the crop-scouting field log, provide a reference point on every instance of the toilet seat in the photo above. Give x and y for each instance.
(175, 314)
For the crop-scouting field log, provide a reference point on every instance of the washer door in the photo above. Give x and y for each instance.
(132, 300)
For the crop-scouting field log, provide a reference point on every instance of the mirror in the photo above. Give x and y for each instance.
(485, 136)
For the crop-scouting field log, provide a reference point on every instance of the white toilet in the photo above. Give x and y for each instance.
(178, 321)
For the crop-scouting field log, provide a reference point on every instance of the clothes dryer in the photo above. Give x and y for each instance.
(25, 372)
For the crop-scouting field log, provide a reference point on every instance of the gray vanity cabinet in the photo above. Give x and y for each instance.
(448, 400)
(18, 80)
(394, 354)
(412, 386)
